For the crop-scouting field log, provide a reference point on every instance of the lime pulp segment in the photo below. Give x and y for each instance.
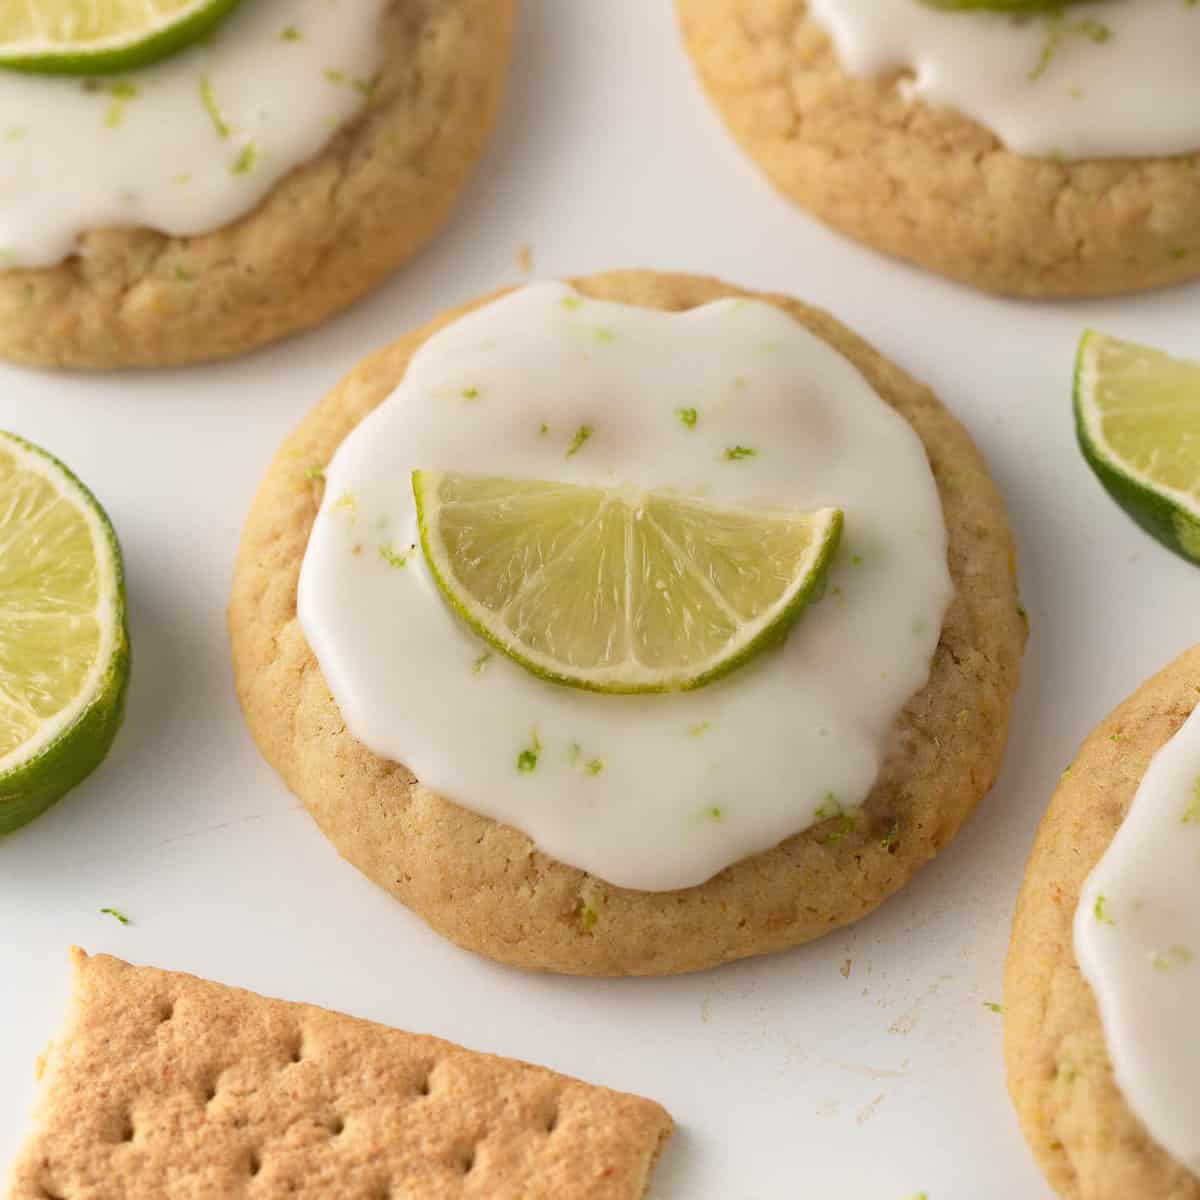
(1137, 414)
(64, 654)
(619, 589)
(90, 37)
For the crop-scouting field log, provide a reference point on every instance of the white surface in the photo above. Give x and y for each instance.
(785, 1077)
(400, 663)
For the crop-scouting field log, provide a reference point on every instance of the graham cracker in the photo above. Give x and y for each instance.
(165, 1085)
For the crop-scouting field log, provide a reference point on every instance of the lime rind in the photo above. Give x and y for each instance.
(118, 54)
(1170, 516)
(773, 627)
(38, 773)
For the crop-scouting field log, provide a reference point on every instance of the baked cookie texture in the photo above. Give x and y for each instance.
(929, 185)
(485, 885)
(328, 233)
(164, 1085)
(1083, 1134)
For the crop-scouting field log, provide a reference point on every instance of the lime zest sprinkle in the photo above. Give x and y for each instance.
(543, 429)
(830, 806)
(289, 33)
(582, 434)
(889, 839)
(14, 133)
(714, 812)
(121, 92)
(527, 760)
(1191, 814)
(394, 559)
(315, 473)
(992, 1006)
(1059, 28)
(687, 417)
(571, 302)
(335, 75)
(847, 825)
(470, 393)
(347, 502)
(699, 729)
(593, 906)
(480, 664)
(1100, 910)
(736, 453)
(183, 180)
(209, 100)
(244, 163)
(603, 334)
(182, 274)
(366, 86)
(594, 766)
(118, 914)
(1174, 958)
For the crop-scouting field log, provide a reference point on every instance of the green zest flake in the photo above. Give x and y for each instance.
(604, 335)
(889, 839)
(315, 474)
(336, 77)
(1100, 910)
(121, 92)
(582, 434)
(699, 729)
(347, 502)
(571, 302)
(182, 180)
(593, 906)
(846, 827)
(480, 664)
(1173, 959)
(735, 453)
(289, 33)
(543, 429)
(1191, 814)
(244, 163)
(856, 560)
(594, 766)
(14, 133)
(992, 1006)
(1060, 28)
(687, 417)
(366, 86)
(830, 807)
(210, 106)
(392, 558)
(471, 393)
(527, 760)
(183, 275)
(118, 914)
(715, 813)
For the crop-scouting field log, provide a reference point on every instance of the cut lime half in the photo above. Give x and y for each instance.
(64, 650)
(619, 589)
(94, 37)
(1137, 413)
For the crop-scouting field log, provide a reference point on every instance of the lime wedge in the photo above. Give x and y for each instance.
(94, 37)
(616, 589)
(1137, 413)
(64, 650)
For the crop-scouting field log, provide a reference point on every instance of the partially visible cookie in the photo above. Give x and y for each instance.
(929, 185)
(487, 886)
(327, 234)
(1083, 1133)
(164, 1085)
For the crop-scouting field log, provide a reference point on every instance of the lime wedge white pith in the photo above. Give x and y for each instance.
(1137, 414)
(618, 589)
(64, 651)
(88, 37)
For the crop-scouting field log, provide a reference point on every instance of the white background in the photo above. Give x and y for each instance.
(786, 1078)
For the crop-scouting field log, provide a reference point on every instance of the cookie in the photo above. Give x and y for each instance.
(329, 232)
(167, 1085)
(928, 185)
(486, 886)
(1087, 1140)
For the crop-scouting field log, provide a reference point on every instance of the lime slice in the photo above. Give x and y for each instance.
(64, 651)
(94, 37)
(1137, 413)
(616, 589)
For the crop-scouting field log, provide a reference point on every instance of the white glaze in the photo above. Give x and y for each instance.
(1137, 939)
(782, 732)
(1137, 94)
(73, 160)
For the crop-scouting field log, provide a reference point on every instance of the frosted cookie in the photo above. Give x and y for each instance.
(245, 188)
(166, 1085)
(1038, 155)
(1103, 980)
(556, 828)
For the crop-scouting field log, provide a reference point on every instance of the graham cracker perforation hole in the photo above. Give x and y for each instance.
(166, 1012)
(337, 1126)
(47, 1193)
(424, 1085)
(255, 1163)
(127, 1130)
(297, 1052)
(466, 1160)
(552, 1120)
